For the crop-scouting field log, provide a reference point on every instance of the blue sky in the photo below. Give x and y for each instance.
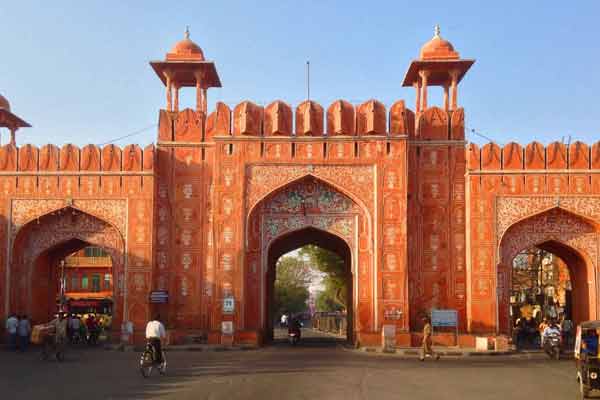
(78, 70)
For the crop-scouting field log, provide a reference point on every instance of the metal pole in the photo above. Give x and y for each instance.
(308, 80)
(62, 285)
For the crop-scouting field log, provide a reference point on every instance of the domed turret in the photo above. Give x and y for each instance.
(185, 66)
(10, 120)
(438, 65)
(186, 50)
(438, 48)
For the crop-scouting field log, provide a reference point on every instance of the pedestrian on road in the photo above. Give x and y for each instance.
(23, 331)
(427, 349)
(566, 327)
(11, 330)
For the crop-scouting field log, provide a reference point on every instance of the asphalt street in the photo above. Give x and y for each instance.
(313, 370)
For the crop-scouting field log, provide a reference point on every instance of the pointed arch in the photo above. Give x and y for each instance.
(570, 236)
(43, 240)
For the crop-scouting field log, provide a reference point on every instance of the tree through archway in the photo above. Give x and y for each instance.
(296, 240)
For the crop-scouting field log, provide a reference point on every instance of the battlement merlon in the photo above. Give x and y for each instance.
(534, 158)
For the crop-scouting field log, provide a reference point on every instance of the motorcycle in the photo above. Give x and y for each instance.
(294, 337)
(294, 333)
(552, 344)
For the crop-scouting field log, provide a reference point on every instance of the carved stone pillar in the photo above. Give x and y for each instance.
(418, 90)
(424, 75)
(454, 86)
(446, 89)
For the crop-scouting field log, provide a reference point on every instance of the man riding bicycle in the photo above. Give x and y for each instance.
(155, 333)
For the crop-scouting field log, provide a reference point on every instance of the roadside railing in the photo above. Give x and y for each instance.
(334, 323)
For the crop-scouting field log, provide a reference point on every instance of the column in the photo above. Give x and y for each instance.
(453, 85)
(446, 97)
(12, 136)
(418, 90)
(176, 107)
(199, 106)
(169, 100)
(424, 76)
(204, 101)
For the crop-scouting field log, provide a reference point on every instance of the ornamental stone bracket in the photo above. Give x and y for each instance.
(23, 211)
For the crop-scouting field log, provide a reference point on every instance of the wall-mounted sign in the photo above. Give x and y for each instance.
(444, 318)
(228, 305)
(159, 297)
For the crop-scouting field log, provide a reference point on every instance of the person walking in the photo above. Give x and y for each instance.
(23, 332)
(284, 321)
(566, 328)
(426, 348)
(12, 323)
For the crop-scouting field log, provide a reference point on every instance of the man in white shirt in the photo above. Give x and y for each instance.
(155, 332)
(12, 324)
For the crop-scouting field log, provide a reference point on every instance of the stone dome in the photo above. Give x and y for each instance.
(4, 104)
(438, 48)
(186, 49)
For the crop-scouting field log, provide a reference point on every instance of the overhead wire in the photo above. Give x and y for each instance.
(134, 133)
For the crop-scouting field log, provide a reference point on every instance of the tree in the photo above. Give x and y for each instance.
(291, 285)
(334, 297)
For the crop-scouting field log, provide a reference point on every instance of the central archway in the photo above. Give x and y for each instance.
(295, 240)
(306, 211)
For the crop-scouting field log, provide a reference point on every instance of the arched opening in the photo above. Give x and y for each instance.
(546, 269)
(67, 260)
(74, 277)
(296, 240)
(305, 211)
(548, 282)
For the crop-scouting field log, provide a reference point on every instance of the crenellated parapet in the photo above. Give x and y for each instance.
(71, 170)
(555, 157)
(309, 119)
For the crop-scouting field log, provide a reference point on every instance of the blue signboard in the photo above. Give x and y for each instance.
(159, 297)
(444, 318)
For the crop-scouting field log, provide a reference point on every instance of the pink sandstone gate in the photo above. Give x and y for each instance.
(435, 220)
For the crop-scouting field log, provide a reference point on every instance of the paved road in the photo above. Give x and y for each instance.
(312, 371)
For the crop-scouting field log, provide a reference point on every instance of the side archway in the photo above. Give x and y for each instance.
(570, 237)
(40, 244)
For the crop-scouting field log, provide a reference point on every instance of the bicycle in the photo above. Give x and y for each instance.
(148, 363)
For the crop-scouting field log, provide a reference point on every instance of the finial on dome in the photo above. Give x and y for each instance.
(187, 32)
(436, 32)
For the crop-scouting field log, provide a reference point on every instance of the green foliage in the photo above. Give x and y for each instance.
(326, 302)
(291, 285)
(335, 295)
